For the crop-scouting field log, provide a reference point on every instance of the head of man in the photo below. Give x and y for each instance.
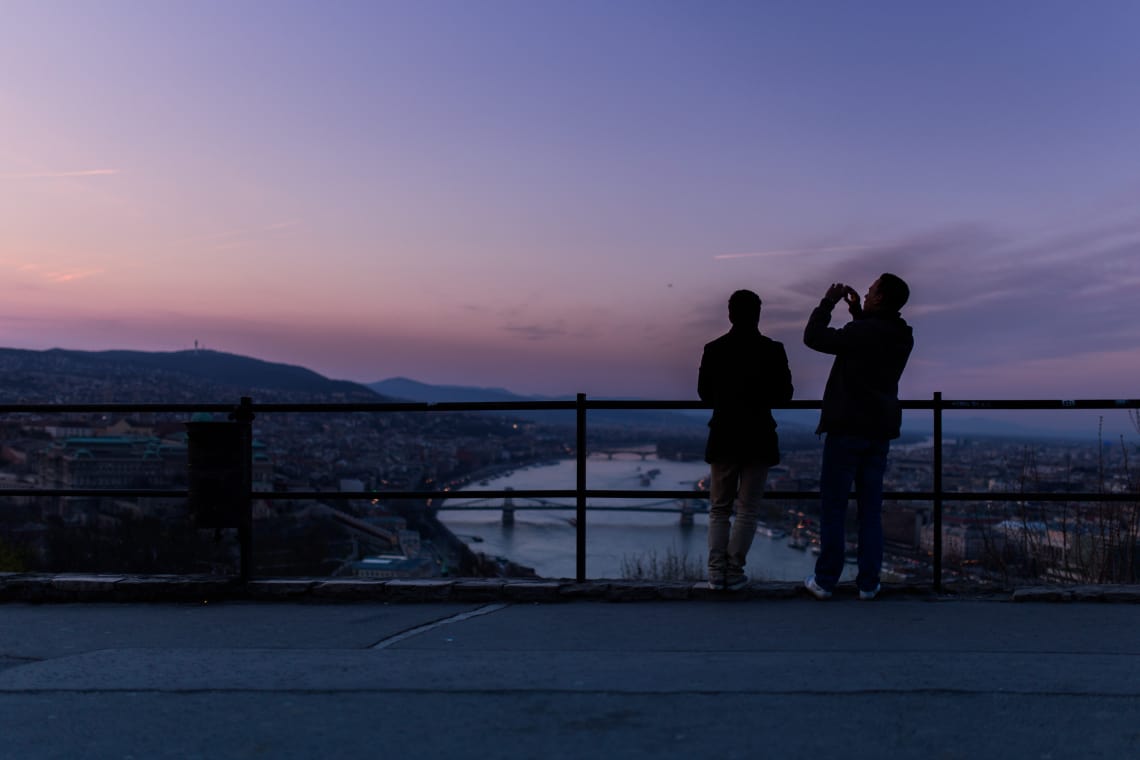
(744, 308)
(887, 295)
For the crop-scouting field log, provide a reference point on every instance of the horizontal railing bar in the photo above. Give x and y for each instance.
(99, 408)
(450, 406)
(569, 493)
(1005, 496)
(950, 404)
(779, 495)
(569, 405)
(602, 404)
(566, 508)
(106, 492)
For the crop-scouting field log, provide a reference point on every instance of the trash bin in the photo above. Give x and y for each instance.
(218, 473)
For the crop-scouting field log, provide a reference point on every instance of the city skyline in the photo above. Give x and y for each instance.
(559, 197)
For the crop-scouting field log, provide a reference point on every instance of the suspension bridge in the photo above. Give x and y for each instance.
(610, 452)
(508, 505)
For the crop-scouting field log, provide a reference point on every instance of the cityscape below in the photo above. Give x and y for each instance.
(356, 458)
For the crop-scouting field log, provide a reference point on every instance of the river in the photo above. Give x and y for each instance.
(545, 540)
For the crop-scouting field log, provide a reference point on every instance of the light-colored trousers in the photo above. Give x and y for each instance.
(735, 493)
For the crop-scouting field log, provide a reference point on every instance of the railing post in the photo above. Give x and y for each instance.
(938, 491)
(580, 487)
(243, 414)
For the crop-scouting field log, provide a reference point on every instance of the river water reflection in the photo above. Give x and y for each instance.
(545, 540)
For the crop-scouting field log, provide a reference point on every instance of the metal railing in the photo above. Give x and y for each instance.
(247, 410)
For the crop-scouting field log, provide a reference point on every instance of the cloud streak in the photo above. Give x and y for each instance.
(61, 175)
(992, 308)
(72, 276)
(235, 238)
(58, 275)
(988, 309)
(794, 252)
(535, 332)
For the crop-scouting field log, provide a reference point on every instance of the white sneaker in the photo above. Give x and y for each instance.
(819, 592)
(736, 583)
(867, 596)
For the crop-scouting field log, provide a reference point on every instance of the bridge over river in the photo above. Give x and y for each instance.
(508, 505)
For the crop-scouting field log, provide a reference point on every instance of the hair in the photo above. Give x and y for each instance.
(744, 308)
(895, 291)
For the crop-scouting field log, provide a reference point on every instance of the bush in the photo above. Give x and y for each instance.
(672, 567)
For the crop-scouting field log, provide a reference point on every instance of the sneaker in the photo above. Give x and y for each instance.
(716, 583)
(869, 595)
(818, 591)
(736, 582)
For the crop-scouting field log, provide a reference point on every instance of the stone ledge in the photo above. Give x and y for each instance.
(531, 591)
(592, 591)
(634, 591)
(478, 590)
(94, 587)
(280, 589)
(1123, 593)
(428, 590)
(348, 590)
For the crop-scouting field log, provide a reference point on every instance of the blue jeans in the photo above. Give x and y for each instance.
(847, 460)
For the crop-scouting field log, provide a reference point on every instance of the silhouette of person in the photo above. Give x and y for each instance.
(860, 416)
(743, 374)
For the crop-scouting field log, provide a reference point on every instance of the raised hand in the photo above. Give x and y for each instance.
(836, 293)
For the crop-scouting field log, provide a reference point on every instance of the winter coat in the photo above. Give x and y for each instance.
(862, 393)
(743, 375)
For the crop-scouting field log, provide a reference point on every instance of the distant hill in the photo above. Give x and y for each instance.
(232, 369)
(202, 376)
(413, 390)
(59, 375)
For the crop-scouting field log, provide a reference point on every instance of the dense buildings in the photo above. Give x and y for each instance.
(353, 460)
(984, 540)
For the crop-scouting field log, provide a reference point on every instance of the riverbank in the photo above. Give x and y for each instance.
(623, 535)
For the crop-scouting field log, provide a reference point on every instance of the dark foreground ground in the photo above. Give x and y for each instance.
(771, 673)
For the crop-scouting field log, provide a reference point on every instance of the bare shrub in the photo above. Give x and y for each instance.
(671, 567)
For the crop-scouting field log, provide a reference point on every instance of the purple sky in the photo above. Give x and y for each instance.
(558, 197)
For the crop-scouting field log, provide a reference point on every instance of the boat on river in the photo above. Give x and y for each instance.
(799, 539)
(764, 529)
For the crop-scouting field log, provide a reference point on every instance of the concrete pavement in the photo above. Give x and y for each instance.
(715, 676)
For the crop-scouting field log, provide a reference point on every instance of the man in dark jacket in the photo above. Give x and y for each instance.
(860, 415)
(743, 375)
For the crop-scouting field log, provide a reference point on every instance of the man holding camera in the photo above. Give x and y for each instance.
(860, 415)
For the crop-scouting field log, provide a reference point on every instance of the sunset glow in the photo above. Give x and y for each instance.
(559, 197)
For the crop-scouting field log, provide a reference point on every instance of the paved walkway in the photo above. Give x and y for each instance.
(716, 676)
(80, 587)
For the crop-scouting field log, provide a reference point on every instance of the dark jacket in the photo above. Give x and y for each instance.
(743, 375)
(862, 393)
